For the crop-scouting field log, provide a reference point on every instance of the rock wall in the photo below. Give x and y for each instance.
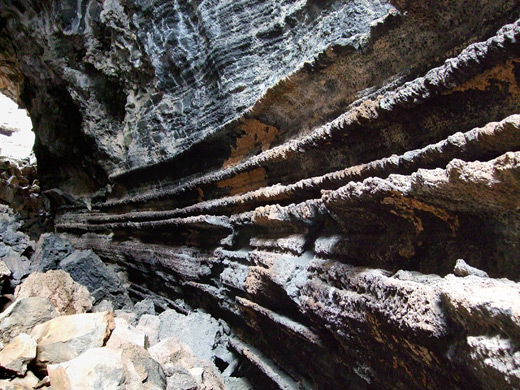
(311, 172)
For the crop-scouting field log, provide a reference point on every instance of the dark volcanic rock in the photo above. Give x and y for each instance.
(50, 250)
(308, 172)
(86, 268)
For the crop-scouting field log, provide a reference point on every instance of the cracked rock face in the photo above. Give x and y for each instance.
(336, 181)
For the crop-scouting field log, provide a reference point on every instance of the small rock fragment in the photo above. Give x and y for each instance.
(464, 269)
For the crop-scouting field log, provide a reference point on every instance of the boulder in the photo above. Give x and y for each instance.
(18, 353)
(96, 368)
(125, 334)
(64, 293)
(146, 306)
(202, 338)
(50, 250)
(64, 338)
(28, 382)
(19, 265)
(142, 371)
(149, 325)
(19, 241)
(108, 369)
(23, 315)
(86, 268)
(183, 369)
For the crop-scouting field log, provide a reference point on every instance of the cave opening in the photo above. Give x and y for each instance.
(16, 135)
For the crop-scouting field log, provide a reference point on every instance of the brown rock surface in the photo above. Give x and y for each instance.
(110, 369)
(18, 353)
(28, 382)
(67, 337)
(67, 296)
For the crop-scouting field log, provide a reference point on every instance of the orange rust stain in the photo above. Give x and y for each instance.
(257, 135)
(406, 208)
(201, 194)
(502, 73)
(246, 181)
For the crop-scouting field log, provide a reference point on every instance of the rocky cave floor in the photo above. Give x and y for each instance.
(67, 322)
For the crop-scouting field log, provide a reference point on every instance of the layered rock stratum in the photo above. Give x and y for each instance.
(338, 181)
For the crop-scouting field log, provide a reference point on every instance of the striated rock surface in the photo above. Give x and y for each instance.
(336, 182)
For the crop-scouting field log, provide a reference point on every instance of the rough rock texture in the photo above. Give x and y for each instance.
(18, 353)
(67, 296)
(66, 337)
(50, 250)
(23, 315)
(125, 334)
(26, 383)
(110, 369)
(182, 368)
(86, 268)
(308, 171)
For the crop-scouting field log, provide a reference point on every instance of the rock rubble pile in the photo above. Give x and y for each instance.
(58, 334)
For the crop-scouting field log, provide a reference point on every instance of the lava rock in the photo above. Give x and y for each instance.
(5, 272)
(18, 353)
(64, 293)
(464, 269)
(28, 382)
(125, 334)
(50, 250)
(202, 339)
(110, 368)
(23, 315)
(20, 267)
(146, 306)
(64, 338)
(86, 268)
